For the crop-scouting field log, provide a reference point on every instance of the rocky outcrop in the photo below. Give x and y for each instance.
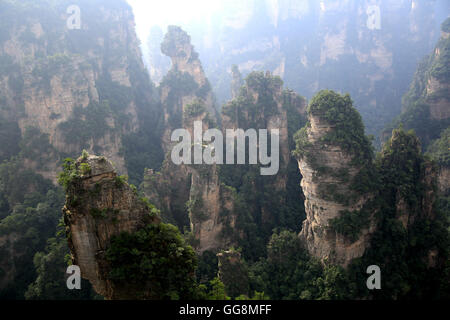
(184, 84)
(426, 106)
(410, 183)
(328, 172)
(194, 195)
(437, 91)
(236, 81)
(264, 92)
(100, 205)
(188, 195)
(408, 213)
(311, 49)
(210, 209)
(59, 75)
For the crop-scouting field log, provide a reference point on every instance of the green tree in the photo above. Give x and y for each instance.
(154, 259)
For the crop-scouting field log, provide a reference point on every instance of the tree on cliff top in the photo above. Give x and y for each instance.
(174, 37)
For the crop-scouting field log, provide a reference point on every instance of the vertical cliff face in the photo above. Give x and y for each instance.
(211, 210)
(73, 85)
(410, 189)
(185, 83)
(63, 90)
(117, 238)
(437, 91)
(349, 46)
(263, 104)
(236, 81)
(416, 195)
(198, 195)
(188, 195)
(100, 205)
(331, 168)
(426, 105)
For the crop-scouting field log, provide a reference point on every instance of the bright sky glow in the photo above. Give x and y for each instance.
(165, 12)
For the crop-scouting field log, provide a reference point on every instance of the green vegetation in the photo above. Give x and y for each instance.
(9, 139)
(154, 258)
(46, 68)
(100, 213)
(28, 209)
(402, 252)
(194, 109)
(400, 164)
(28, 224)
(121, 180)
(348, 133)
(233, 272)
(50, 265)
(174, 37)
(302, 141)
(85, 169)
(207, 267)
(289, 272)
(439, 150)
(116, 96)
(36, 146)
(260, 82)
(69, 175)
(348, 128)
(416, 103)
(350, 223)
(266, 87)
(195, 209)
(446, 25)
(86, 124)
(259, 207)
(440, 68)
(217, 291)
(180, 84)
(203, 91)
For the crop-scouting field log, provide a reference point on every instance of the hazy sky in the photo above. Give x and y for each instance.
(164, 12)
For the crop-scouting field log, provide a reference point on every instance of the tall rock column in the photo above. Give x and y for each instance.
(100, 205)
(331, 167)
(189, 195)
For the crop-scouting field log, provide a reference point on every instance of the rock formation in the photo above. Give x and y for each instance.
(61, 80)
(100, 205)
(184, 84)
(407, 212)
(410, 187)
(236, 81)
(315, 45)
(329, 171)
(426, 105)
(188, 195)
(195, 195)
